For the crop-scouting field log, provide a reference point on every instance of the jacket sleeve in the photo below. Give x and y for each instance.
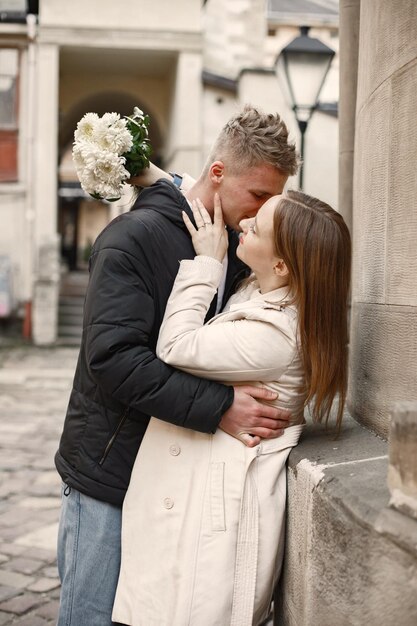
(246, 349)
(118, 325)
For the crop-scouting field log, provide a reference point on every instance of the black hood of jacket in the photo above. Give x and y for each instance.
(167, 200)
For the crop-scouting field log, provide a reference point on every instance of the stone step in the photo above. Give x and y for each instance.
(70, 330)
(68, 341)
(67, 304)
(75, 278)
(72, 291)
(72, 317)
(71, 307)
(74, 284)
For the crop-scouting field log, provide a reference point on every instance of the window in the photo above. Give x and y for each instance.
(13, 11)
(9, 83)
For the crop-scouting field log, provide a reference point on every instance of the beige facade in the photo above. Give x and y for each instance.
(101, 57)
(90, 57)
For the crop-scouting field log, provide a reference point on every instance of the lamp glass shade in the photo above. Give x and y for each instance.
(306, 73)
(302, 66)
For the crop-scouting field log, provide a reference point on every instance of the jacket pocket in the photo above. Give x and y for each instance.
(218, 521)
(113, 437)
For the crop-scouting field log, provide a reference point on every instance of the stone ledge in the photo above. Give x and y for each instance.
(351, 469)
(349, 559)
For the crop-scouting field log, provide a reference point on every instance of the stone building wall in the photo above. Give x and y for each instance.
(384, 294)
(351, 555)
(234, 35)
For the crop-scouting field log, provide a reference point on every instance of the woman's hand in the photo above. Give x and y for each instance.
(209, 238)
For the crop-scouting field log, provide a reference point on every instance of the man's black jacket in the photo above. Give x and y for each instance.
(119, 382)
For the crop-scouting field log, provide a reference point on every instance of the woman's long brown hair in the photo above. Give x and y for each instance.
(314, 242)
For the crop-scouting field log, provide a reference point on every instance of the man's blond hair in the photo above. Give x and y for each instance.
(251, 138)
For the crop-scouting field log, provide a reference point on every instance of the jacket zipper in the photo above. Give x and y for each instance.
(113, 437)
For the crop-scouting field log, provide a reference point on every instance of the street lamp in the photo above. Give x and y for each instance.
(303, 66)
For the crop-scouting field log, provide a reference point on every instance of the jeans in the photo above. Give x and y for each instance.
(88, 559)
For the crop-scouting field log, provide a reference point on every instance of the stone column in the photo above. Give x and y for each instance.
(348, 76)
(46, 282)
(183, 150)
(46, 291)
(46, 146)
(384, 289)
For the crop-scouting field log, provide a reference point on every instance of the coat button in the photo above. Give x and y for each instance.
(174, 449)
(168, 503)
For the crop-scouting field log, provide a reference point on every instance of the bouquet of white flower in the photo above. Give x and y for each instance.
(108, 150)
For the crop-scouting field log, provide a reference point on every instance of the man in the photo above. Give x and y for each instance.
(119, 383)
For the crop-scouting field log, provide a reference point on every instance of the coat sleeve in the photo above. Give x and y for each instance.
(242, 350)
(118, 325)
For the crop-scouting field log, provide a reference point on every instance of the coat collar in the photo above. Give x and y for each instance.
(278, 298)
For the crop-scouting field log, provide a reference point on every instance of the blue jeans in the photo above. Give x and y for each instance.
(88, 559)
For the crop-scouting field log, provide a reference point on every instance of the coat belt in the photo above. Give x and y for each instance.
(248, 533)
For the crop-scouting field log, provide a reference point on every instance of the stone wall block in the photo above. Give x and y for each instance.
(386, 42)
(345, 563)
(45, 312)
(401, 263)
(49, 260)
(183, 148)
(383, 362)
(235, 40)
(297, 563)
(371, 175)
(348, 574)
(46, 293)
(124, 14)
(402, 471)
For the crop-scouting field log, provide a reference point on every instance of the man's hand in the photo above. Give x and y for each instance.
(249, 420)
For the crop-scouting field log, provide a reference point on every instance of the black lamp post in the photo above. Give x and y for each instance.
(303, 66)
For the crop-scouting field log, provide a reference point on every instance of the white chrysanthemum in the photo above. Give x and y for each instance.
(103, 173)
(115, 136)
(110, 118)
(78, 158)
(99, 144)
(84, 155)
(86, 127)
(88, 181)
(109, 192)
(109, 168)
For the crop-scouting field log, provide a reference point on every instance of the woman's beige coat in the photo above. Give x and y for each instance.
(203, 518)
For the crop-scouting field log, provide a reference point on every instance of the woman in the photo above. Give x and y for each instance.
(203, 519)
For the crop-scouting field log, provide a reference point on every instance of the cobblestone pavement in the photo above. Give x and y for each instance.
(34, 389)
